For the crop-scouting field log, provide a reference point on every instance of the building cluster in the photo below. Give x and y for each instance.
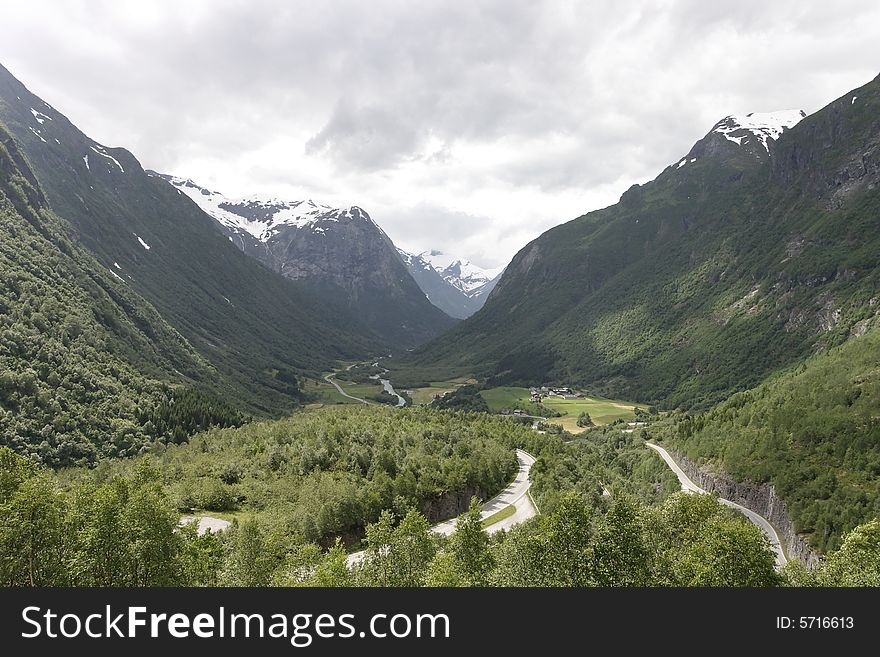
(537, 394)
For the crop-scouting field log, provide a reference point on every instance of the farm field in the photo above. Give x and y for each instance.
(422, 396)
(602, 411)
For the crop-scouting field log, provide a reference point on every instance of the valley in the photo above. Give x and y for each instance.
(168, 353)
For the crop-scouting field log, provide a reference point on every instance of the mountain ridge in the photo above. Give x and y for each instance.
(338, 253)
(699, 283)
(262, 333)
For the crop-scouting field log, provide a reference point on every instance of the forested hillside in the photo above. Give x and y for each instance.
(85, 362)
(733, 263)
(258, 331)
(323, 474)
(119, 528)
(813, 432)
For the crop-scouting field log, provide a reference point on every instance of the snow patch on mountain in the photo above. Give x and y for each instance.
(265, 216)
(143, 244)
(763, 125)
(459, 272)
(39, 136)
(100, 151)
(462, 274)
(40, 117)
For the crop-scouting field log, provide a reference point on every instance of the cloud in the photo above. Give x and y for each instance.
(470, 127)
(367, 138)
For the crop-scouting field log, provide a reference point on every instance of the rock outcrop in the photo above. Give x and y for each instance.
(760, 498)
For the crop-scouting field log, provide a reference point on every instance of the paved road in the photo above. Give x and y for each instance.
(329, 379)
(514, 494)
(689, 486)
(205, 523)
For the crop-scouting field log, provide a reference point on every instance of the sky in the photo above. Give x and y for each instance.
(465, 126)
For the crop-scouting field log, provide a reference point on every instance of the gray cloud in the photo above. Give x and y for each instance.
(469, 126)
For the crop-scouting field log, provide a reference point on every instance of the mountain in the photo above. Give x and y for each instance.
(339, 253)
(757, 248)
(813, 432)
(259, 331)
(457, 286)
(472, 280)
(85, 362)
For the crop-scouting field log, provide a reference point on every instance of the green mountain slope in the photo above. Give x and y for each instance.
(813, 432)
(259, 331)
(732, 263)
(83, 359)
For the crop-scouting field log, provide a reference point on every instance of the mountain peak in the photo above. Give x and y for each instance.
(764, 126)
(262, 216)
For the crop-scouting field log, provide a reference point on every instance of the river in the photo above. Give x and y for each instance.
(386, 385)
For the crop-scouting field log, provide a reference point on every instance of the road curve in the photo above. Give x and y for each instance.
(516, 494)
(329, 379)
(762, 523)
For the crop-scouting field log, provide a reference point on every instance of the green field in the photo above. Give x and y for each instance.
(324, 393)
(426, 395)
(603, 411)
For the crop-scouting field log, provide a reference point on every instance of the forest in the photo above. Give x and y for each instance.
(124, 532)
(812, 431)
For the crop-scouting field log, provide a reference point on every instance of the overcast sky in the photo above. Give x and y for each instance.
(467, 126)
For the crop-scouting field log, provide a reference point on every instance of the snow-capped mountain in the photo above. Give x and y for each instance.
(455, 285)
(460, 273)
(762, 126)
(743, 137)
(340, 253)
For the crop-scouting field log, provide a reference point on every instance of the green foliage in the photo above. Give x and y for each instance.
(81, 355)
(620, 553)
(120, 533)
(465, 398)
(689, 540)
(813, 432)
(469, 546)
(857, 562)
(396, 555)
(186, 411)
(697, 284)
(604, 459)
(248, 560)
(326, 473)
(584, 420)
(259, 332)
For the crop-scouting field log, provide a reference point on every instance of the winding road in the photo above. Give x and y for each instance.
(762, 523)
(515, 494)
(329, 379)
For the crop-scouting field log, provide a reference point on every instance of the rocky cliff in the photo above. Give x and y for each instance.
(760, 498)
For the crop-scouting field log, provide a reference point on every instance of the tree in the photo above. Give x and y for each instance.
(397, 556)
(519, 557)
(246, 562)
(584, 420)
(32, 540)
(202, 556)
(443, 571)
(103, 556)
(567, 535)
(332, 569)
(620, 556)
(857, 561)
(728, 552)
(470, 547)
